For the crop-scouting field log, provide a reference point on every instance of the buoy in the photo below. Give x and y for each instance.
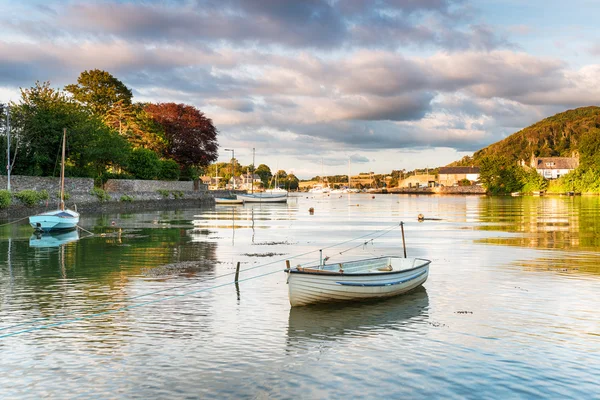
(420, 217)
(373, 197)
(311, 210)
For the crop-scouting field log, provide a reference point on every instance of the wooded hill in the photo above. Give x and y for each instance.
(558, 136)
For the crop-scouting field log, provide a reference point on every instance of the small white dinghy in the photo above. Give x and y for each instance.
(355, 280)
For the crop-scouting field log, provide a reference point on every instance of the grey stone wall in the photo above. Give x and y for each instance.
(52, 185)
(141, 186)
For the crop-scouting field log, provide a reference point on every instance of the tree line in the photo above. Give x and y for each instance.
(108, 134)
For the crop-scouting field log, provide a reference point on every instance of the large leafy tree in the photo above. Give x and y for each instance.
(500, 175)
(99, 91)
(191, 137)
(134, 124)
(265, 174)
(39, 120)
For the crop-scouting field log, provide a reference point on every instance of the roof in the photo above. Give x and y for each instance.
(556, 163)
(458, 170)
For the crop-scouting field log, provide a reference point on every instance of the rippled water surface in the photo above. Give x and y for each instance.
(146, 307)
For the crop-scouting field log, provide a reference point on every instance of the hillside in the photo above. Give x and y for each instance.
(556, 136)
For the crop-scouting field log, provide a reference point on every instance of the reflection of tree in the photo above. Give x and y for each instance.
(548, 222)
(92, 275)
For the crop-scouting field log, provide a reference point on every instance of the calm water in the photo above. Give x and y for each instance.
(510, 309)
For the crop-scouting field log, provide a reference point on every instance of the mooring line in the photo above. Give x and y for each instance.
(14, 222)
(132, 306)
(188, 284)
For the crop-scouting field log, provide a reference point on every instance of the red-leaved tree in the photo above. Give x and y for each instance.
(191, 136)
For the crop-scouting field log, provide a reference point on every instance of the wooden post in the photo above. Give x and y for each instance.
(237, 272)
(403, 241)
(287, 264)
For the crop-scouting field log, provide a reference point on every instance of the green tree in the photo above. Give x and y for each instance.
(99, 91)
(38, 121)
(500, 175)
(265, 174)
(144, 164)
(291, 182)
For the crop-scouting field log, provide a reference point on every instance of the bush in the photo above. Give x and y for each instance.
(177, 194)
(126, 198)
(100, 194)
(163, 192)
(144, 164)
(5, 198)
(31, 197)
(66, 196)
(169, 170)
(101, 180)
(464, 182)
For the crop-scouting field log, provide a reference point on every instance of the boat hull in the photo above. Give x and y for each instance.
(263, 198)
(220, 200)
(55, 220)
(308, 286)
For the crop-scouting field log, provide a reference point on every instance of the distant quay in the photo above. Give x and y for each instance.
(120, 195)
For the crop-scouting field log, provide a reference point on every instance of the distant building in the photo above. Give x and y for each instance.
(416, 181)
(450, 176)
(244, 182)
(554, 167)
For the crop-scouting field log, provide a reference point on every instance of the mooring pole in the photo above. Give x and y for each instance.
(8, 146)
(403, 241)
(237, 272)
(321, 257)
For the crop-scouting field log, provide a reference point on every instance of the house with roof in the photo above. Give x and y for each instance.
(450, 176)
(554, 167)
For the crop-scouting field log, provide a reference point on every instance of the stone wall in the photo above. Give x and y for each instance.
(141, 186)
(52, 185)
(473, 189)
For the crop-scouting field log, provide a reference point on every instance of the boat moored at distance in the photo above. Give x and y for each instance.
(264, 197)
(228, 200)
(355, 280)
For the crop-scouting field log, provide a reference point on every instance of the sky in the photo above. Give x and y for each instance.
(324, 86)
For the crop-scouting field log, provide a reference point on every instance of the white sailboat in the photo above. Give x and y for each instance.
(61, 219)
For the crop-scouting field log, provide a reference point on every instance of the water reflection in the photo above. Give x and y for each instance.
(53, 239)
(334, 321)
(547, 223)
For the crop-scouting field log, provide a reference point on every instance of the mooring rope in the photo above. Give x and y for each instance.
(173, 288)
(14, 222)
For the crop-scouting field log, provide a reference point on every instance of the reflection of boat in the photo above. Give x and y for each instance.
(263, 197)
(62, 218)
(355, 280)
(53, 239)
(228, 200)
(331, 321)
(515, 194)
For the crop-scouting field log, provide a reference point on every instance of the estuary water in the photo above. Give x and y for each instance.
(147, 308)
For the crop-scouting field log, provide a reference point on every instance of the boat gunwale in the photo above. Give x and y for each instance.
(379, 273)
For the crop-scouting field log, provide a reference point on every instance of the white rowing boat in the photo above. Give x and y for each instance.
(355, 280)
(264, 197)
(228, 200)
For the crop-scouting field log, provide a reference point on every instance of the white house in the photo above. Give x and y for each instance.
(554, 167)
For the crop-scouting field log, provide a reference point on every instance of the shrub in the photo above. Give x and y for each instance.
(177, 194)
(163, 192)
(66, 196)
(169, 170)
(100, 194)
(126, 198)
(464, 182)
(5, 198)
(144, 164)
(31, 197)
(101, 180)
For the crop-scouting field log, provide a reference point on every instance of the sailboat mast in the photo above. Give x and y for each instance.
(8, 147)
(62, 171)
